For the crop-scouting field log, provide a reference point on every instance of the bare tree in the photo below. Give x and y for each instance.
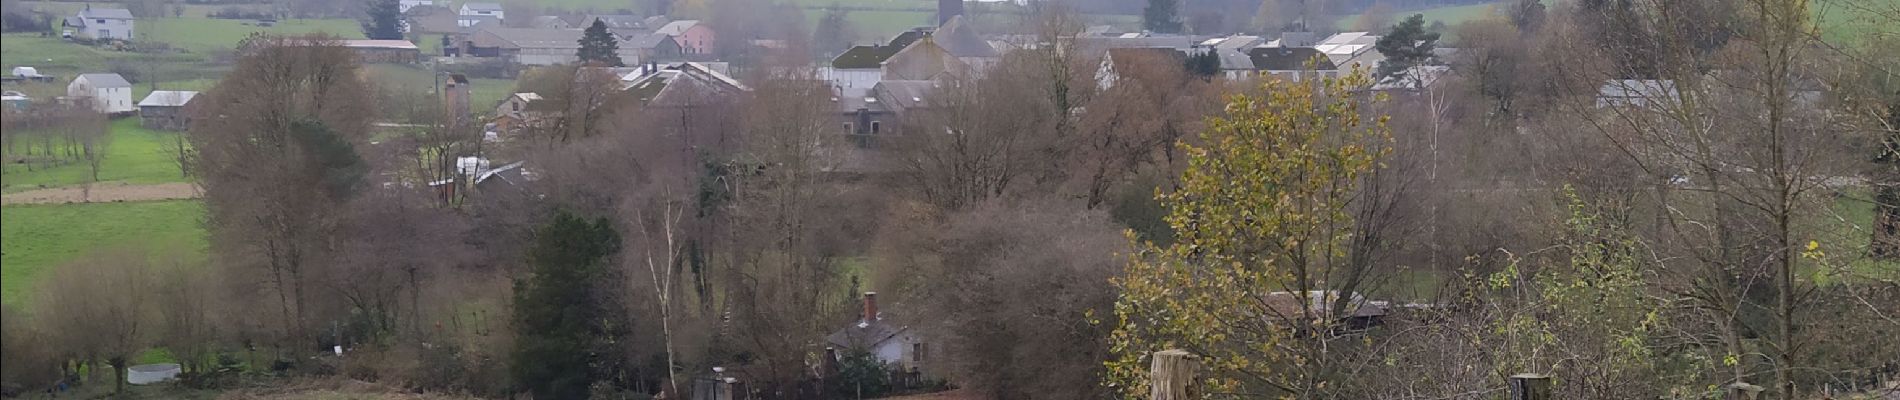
(101, 306)
(274, 152)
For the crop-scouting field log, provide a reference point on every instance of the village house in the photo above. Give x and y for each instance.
(894, 345)
(525, 46)
(862, 67)
(1292, 63)
(521, 111)
(107, 93)
(101, 24)
(1349, 50)
(642, 48)
(695, 39)
(165, 110)
(427, 22)
(681, 85)
(473, 13)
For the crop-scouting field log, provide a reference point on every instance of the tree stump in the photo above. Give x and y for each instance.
(1172, 373)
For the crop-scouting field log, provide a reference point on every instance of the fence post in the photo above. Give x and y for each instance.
(1171, 374)
(1530, 387)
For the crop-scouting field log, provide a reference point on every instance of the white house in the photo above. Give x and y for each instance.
(405, 5)
(892, 344)
(481, 10)
(101, 23)
(108, 93)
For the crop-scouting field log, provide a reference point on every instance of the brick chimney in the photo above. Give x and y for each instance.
(870, 307)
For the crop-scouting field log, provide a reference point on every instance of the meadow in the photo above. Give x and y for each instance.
(35, 238)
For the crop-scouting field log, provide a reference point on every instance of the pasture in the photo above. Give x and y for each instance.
(34, 238)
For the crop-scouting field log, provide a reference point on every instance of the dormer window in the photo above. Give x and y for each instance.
(100, 20)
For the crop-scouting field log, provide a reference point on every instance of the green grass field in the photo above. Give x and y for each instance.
(204, 35)
(135, 155)
(34, 238)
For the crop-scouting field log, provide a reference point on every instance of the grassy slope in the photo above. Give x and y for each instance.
(135, 155)
(37, 237)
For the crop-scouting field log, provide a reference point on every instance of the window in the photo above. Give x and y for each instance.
(517, 106)
(101, 20)
(874, 127)
(105, 33)
(917, 352)
(847, 129)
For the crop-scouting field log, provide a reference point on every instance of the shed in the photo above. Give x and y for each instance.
(165, 110)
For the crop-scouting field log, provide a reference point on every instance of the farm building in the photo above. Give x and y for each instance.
(101, 24)
(384, 51)
(525, 46)
(165, 110)
(107, 93)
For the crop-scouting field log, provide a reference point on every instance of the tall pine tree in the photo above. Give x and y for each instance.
(599, 45)
(385, 20)
(1408, 45)
(1162, 16)
(561, 314)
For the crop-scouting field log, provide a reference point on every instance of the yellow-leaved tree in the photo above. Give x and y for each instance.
(1263, 278)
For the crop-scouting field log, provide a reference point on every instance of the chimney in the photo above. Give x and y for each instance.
(947, 9)
(870, 307)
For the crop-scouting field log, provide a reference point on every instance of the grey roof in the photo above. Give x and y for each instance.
(168, 98)
(549, 22)
(676, 28)
(1232, 59)
(105, 80)
(957, 38)
(539, 38)
(864, 335)
(850, 100)
(107, 13)
(1166, 41)
(1638, 88)
(643, 40)
(616, 21)
(900, 94)
(1288, 58)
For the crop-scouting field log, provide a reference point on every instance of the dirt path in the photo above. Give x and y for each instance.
(103, 193)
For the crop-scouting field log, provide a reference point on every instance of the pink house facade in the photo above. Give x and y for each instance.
(694, 37)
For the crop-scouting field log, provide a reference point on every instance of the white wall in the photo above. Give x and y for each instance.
(121, 29)
(851, 78)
